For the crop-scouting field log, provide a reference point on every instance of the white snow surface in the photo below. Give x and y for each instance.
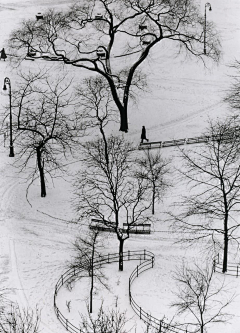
(36, 239)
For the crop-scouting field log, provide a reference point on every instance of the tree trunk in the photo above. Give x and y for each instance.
(225, 250)
(153, 201)
(91, 289)
(123, 120)
(121, 241)
(41, 172)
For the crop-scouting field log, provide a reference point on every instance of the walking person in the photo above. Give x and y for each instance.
(3, 54)
(143, 135)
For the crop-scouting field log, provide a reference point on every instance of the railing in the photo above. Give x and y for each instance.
(149, 320)
(170, 143)
(180, 142)
(72, 273)
(232, 269)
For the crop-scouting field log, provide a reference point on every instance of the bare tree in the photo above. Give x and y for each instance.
(47, 128)
(107, 321)
(87, 260)
(233, 94)
(213, 175)
(154, 169)
(16, 320)
(114, 37)
(108, 189)
(95, 103)
(200, 298)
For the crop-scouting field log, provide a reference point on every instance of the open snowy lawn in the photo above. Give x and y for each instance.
(36, 239)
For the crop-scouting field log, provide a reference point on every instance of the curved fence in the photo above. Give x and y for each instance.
(145, 257)
(232, 269)
(149, 320)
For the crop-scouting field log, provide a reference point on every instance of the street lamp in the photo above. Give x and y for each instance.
(5, 83)
(205, 24)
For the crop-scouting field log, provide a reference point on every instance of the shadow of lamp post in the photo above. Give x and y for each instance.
(207, 5)
(8, 82)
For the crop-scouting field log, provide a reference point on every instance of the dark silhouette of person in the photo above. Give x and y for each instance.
(3, 54)
(143, 135)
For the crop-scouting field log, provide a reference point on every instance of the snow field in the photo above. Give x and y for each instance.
(36, 240)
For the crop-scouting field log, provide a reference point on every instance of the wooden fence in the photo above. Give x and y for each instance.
(159, 324)
(232, 269)
(146, 259)
(72, 274)
(180, 142)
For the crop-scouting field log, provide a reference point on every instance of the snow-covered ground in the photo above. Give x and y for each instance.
(36, 239)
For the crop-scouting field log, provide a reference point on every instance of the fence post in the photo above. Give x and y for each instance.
(140, 259)
(137, 270)
(218, 257)
(144, 254)
(108, 258)
(160, 327)
(140, 313)
(128, 255)
(152, 262)
(214, 265)
(57, 312)
(237, 271)
(67, 324)
(62, 279)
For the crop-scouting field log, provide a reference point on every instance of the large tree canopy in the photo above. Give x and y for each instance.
(113, 37)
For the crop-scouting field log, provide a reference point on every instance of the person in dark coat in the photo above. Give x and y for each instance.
(143, 135)
(3, 54)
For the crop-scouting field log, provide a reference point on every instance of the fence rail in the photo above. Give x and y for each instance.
(149, 320)
(72, 273)
(180, 142)
(232, 269)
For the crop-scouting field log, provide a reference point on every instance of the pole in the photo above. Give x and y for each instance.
(204, 29)
(8, 82)
(205, 25)
(11, 153)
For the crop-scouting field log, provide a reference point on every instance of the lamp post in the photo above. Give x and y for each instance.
(5, 83)
(207, 5)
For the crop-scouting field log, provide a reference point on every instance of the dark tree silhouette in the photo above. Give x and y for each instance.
(47, 128)
(201, 298)
(86, 251)
(108, 188)
(114, 37)
(213, 174)
(154, 169)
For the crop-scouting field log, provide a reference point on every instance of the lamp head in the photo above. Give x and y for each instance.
(210, 8)
(4, 86)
